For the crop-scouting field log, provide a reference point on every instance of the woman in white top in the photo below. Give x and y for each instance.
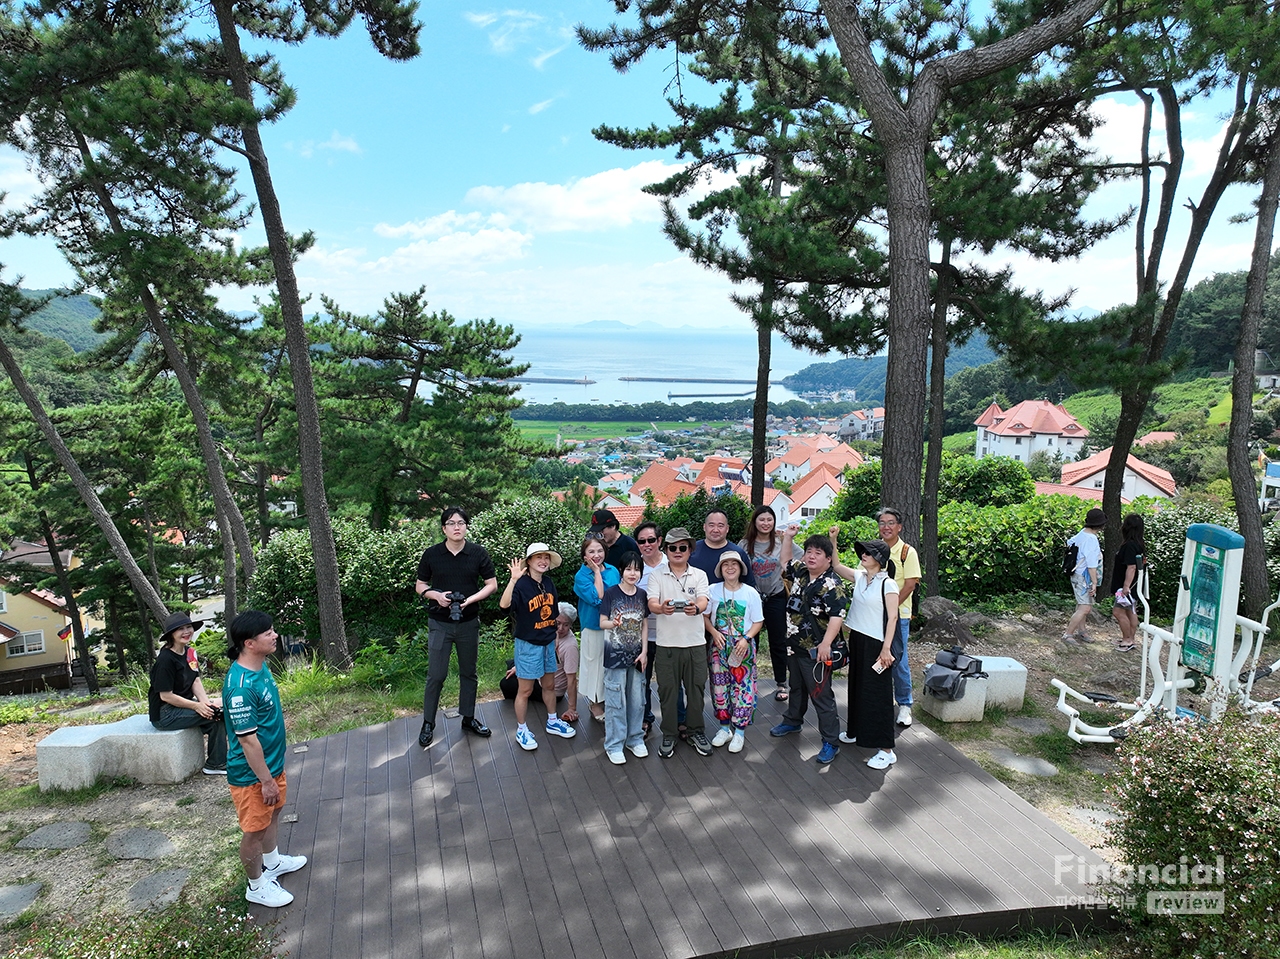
(873, 622)
(734, 617)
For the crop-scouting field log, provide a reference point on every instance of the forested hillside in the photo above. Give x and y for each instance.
(69, 318)
(866, 374)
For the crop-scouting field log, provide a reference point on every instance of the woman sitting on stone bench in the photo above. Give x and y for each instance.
(177, 699)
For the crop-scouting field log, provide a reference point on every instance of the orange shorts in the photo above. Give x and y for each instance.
(254, 814)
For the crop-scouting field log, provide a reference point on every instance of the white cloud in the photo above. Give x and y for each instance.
(541, 59)
(337, 142)
(601, 201)
(18, 183)
(539, 107)
(510, 28)
(438, 225)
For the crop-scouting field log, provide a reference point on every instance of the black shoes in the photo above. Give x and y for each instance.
(472, 725)
(428, 733)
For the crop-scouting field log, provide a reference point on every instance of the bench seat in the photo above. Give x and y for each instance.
(74, 757)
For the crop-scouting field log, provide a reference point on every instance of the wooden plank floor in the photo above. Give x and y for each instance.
(475, 849)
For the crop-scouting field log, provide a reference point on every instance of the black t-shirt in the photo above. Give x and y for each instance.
(171, 673)
(463, 573)
(625, 544)
(534, 609)
(623, 643)
(1127, 555)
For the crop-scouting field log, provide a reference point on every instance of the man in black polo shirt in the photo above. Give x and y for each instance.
(617, 544)
(453, 567)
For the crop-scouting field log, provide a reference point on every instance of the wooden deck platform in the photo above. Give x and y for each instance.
(475, 849)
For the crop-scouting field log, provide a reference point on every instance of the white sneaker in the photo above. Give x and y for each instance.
(617, 758)
(882, 760)
(846, 738)
(737, 742)
(723, 736)
(558, 727)
(904, 715)
(269, 893)
(640, 750)
(287, 864)
(526, 740)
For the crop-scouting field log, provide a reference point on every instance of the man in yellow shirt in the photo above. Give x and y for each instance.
(907, 575)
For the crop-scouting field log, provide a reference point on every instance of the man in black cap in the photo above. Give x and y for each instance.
(616, 543)
(453, 577)
(177, 700)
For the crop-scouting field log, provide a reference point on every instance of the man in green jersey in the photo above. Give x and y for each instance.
(255, 756)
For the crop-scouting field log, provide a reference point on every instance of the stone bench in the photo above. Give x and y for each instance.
(74, 757)
(971, 709)
(1006, 682)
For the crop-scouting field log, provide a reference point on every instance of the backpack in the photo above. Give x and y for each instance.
(1069, 557)
(951, 669)
(915, 593)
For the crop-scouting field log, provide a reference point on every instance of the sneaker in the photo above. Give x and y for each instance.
(558, 727)
(617, 758)
(526, 740)
(784, 729)
(737, 742)
(212, 770)
(882, 760)
(286, 865)
(722, 737)
(846, 738)
(668, 747)
(904, 715)
(699, 742)
(639, 750)
(269, 893)
(827, 753)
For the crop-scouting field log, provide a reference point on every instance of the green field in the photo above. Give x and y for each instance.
(608, 429)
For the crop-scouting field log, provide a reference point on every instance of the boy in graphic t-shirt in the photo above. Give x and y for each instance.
(531, 597)
(625, 608)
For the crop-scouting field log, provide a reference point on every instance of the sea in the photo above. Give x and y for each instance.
(605, 350)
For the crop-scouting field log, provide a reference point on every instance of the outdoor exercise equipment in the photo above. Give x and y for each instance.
(1201, 656)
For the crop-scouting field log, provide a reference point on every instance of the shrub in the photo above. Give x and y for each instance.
(1193, 792)
(860, 495)
(506, 530)
(1166, 532)
(990, 481)
(690, 511)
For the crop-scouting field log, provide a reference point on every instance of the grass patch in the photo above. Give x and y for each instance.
(76, 797)
(1035, 944)
(223, 930)
(20, 797)
(604, 429)
(960, 442)
(1056, 747)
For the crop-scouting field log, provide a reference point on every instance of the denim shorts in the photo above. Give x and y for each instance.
(534, 662)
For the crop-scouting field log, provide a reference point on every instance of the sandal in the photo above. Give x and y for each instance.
(646, 727)
(1124, 647)
(781, 696)
(683, 732)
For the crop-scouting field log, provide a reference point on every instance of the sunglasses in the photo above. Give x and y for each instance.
(646, 542)
(678, 548)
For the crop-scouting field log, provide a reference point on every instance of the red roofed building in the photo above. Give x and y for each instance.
(814, 492)
(1027, 428)
(1079, 492)
(1140, 479)
(800, 460)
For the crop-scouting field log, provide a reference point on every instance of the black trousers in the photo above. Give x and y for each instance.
(811, 680)
(775, 625)
(442, 639)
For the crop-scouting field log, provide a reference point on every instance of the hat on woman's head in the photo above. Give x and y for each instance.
(730, 556)
(1095, 519)
(536, 548)
(877, 549)
(175, 622)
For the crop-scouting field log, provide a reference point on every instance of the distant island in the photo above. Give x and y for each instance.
(866, 374)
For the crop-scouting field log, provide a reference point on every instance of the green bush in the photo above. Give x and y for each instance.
(860, 495)
(506, 530)
(990, 481)
(690, 511)
(1199, 794)
(1166, 532)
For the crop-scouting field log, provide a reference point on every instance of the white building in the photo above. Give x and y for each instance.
(1029, 427)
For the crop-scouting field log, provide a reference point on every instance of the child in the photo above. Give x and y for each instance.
(531, 597)
(625, 607)
(734, 617)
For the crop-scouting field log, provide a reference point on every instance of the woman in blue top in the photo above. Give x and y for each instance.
(594, 576)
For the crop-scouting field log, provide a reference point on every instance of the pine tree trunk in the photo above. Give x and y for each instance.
(760, 408)
(1257, 592)
(117, 638)
(231, 522)
(115, 541)
(87, 664)
(937, 412)
(324, 553)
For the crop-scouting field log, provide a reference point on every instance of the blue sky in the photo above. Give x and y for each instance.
(472, 170)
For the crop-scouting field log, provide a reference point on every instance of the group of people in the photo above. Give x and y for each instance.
(684, 610)
(1086, 577)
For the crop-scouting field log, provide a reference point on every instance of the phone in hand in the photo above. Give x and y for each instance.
(877, 667)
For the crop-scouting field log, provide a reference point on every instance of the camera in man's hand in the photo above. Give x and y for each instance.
(456, 600)
(679, 604)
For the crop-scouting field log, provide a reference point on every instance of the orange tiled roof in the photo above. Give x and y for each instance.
(988, 416)
(1073, 473)
(1079, 492)
(1158, 436)
(812, 481)
(628, 516)
(1036, 416)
